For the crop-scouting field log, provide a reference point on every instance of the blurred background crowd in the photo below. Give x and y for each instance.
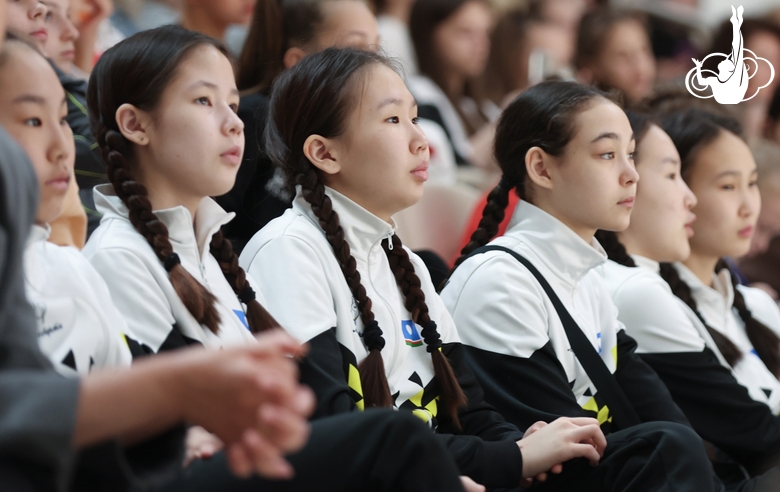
(463, 60)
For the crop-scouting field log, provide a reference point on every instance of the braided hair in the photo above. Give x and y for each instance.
(315, 97)
(136, 71)
(691, 129)
(541, 116)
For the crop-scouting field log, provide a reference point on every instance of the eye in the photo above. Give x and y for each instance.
(394, 119)
(672, 176)
(205, 101)
(415, 120)
(727, 187)
(608, 155)
(631, 156)
(753, 183)
(64, 121)
(234, 107)
(33, 122)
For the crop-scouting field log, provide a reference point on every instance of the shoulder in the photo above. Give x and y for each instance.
(292, 234)
(762, 306)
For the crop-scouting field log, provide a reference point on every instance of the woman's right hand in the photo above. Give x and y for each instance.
(546, 446)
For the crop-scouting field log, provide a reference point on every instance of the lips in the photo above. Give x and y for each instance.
(59, 183)
(233, 155)
(421, 172)
(746, 232)
(628, 202)
(689, 227)
(41, 34)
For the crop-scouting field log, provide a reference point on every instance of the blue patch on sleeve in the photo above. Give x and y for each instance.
(411, 336)
(242, 317)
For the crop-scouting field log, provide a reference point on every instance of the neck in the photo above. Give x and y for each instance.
(197, 19)
(702, 266)
(400, 10)
(635, 247)
(164, 194)
(583, 231)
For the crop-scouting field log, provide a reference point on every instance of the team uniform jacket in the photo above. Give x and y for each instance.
(307, 293)
(78, 326)
(735, 409)
(139, 283)
(515, 341)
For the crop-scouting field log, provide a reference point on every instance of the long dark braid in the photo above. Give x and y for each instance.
(198, 300)
(614, 248)
(258, 319)
(316, 97)
(137, 71)
(764, 340)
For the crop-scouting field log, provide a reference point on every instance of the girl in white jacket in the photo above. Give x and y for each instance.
(671, 337)
(537, 321)
(342, 127)
(79, 328)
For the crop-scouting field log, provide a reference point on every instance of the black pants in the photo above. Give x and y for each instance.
(372, 451)
(657, 456)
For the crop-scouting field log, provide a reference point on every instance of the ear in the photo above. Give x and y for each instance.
(320, 152)
(537, 163)
(133, 124)
(292, 56)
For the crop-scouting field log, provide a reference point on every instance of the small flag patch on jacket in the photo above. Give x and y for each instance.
(411, 336)
(241, 317)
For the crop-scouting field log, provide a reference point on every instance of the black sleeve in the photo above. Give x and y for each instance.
(644, 389)
(509, 382)
(326, 371)
(485, 447)
(720, 409)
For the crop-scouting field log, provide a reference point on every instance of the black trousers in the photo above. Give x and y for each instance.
(657, 456)
(372, 451)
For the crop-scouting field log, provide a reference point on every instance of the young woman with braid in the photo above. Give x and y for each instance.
(543, 351)
(671, 338)
(163, 107)
(343, 129)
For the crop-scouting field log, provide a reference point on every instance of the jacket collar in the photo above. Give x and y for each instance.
(721, 288)
(644, 262)
(362, 229)
(208, 220)
(38, 233)
(559, 248)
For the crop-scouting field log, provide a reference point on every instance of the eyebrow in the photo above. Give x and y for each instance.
(609, 135)
(394, 100)
(31, 98)
(734, 173)
(211, 85)
(670, 160)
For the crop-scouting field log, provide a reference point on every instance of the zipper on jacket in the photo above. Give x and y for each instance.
(395, 323)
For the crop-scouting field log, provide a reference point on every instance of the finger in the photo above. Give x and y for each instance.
(541, 477)
(304, 402)
(284, 430)
(277, 341)
(238, 461)
(585, 451)
(587, 434)
(266, 458)
(526, 482)
(557, 468)
(581, 421)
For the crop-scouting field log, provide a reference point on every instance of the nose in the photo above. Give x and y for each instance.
(70, 33)
(689, 199)
(39, 11)
(419, 142)
(629, 176)
(61, 145)
(233, 124)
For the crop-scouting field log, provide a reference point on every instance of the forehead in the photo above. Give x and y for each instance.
(657, 144)
(380, 83)
(599, 117)
(726, 153)
(26, 72)
(205, 63)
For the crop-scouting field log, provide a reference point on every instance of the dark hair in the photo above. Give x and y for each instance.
(505, 66)
(595, 27)
(424, 20)
(137, 71)
(691, 130)
(542, 116)
(277, 25)
(316, 97)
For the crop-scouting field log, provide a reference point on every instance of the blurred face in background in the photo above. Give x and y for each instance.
(462, 41)
(626, 61)
(60, 45)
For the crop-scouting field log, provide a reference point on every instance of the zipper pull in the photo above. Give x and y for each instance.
(390, 241)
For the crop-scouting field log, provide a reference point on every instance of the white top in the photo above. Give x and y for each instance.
(396, 41)
(500, 307)
(306, 291)
(714, 303)
(139, 283)
(79, 328)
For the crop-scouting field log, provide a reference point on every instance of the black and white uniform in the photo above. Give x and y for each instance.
(735, 409)
(78, 326)
(139, 283)
(307, 293)
(511, 329)
(518, 349)
(715, 302)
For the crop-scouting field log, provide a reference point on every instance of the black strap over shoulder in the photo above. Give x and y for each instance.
(622, 411)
